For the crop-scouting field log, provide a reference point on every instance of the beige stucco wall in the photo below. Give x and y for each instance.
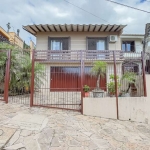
(78, 39)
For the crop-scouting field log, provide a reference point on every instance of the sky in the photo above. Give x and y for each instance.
(27, 12)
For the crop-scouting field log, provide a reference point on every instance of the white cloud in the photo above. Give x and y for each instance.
(26, 12)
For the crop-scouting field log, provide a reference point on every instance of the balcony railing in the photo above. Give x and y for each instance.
(74, 55)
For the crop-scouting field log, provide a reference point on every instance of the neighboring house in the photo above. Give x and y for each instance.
(132, 44)
(4, 36)
(11, 37)
(15, 39)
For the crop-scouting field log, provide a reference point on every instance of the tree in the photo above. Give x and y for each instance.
(25, 46)
(99, 70)
(20, 70)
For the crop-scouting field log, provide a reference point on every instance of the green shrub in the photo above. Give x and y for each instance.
(86, 88)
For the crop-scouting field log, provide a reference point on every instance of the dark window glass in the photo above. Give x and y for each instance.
(128, 46)
(58, 44)
(96, 43)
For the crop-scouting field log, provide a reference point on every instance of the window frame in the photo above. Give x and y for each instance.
(98, 38)
(126, 46)
(59, 38)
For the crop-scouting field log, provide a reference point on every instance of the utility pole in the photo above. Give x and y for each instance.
(146, 44)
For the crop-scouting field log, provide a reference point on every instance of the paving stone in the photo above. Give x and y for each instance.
(74, 143)
(20, 140)
(88, 133)
(14, 147)
(30, 143)
(14, 138)
(28, 121)
(55, 142)
(53, 129)
(42, 139)
(44, 147)
(6, 134)
(101, 143)
(76, 148)
(25, 133)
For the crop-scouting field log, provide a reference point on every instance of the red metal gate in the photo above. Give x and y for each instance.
(58, 85)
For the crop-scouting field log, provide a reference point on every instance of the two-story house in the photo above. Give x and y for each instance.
(132, 45)
(71, 40)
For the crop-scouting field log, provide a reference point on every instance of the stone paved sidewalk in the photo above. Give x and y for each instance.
(51, 129)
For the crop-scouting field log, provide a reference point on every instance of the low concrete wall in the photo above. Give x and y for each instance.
(148, 85)
(102, 107)
(135, 109)
(130, 108)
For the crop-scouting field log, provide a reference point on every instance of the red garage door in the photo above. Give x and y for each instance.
(68, 79)
(65, 79)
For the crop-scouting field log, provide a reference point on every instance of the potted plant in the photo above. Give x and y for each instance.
(130, 77)
(111, 85)
(86, 90)
(98, 70)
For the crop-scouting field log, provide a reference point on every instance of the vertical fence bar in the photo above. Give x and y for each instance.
(32, 80)
(7, 76)
(82, 79)
(144, 77)
(115, 77)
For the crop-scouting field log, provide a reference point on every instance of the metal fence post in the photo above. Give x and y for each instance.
(144, 77)
(32, 80)
(82, 80)
(115, 78)
(7, 76)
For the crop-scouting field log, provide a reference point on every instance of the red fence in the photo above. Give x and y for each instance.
(5, 75)
(57, 77)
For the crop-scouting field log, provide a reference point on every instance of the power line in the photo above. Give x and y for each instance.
(92, 13)
(86, 11)
(128, 6)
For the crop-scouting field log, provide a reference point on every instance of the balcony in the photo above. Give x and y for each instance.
(86, 55)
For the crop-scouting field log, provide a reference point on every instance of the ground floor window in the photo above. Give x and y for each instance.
(130, 67)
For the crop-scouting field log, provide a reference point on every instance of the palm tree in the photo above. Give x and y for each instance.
(99, 70)
(20, 70)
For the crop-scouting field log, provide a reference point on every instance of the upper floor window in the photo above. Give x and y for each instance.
(58, 43)
(128, 46)
(97, 43)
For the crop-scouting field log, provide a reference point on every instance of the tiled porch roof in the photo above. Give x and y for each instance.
(34, 29)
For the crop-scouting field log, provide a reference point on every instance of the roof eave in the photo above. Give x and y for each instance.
(34, 29)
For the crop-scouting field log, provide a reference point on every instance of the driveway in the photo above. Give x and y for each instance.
(22, 128)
